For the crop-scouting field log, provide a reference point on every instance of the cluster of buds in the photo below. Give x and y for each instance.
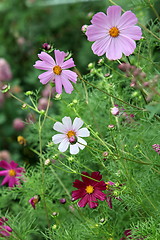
(120, 112)
(156, 148)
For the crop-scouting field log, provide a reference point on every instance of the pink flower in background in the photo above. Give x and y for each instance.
(34, 200)
(5, 70)
(18, 124)
(113, 34)
(115, 111)
(4, 230)
(89, 190)
(57, 70)
(70, 135)
(12, 173)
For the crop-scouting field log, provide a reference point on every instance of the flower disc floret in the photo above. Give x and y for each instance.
(57, 71)
(71, 135)
(113, 33)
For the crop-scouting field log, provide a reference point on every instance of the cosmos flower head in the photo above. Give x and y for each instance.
(70, 135)
(12, 173)
(56, 70)
(114, 34)
(5, 231)
(34, 200)
(89, 189)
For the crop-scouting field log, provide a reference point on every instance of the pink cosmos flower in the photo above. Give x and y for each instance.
(113, 34)
(70, 135)
(56, 70)
(34, 200)
(89, 190)
(4, 230)
(12, 173)
(115, 111)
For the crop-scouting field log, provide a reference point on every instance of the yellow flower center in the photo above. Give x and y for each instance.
(114, 32)
(57, 70)
(12, 173)
(89, 189)
(71, 134)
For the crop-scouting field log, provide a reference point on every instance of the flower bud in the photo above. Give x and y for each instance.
(62, 200)
(115, 111)
(46, 46)
(42, 104)
(5, 71)
(18, 124)
(84, 28)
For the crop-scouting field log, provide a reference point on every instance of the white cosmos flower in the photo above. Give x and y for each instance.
(70, 135)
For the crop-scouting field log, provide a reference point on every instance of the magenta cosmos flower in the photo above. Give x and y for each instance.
(71, 135)
(12, 173)
(56, 70)
(113, 34)
(4, 230)
(34, 200)
(89, 190)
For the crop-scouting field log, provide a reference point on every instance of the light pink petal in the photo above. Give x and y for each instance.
(100, 47)
(59, 57)
(46, 77)
(5, 180)
(67, 85)
(47, 58)
(59, 127)
(12, 181)
(63, 145)
(134, 32)
(81, 143)
(77, 123)
(114, 13)
(83, 201)
(92, 201)
(3, 173)
(68, 74)
(4, 164)
(127, 45)
(13, 164)
(58, 138)
(74, 149)
(68, 64)
(94, 33)
(127, 19)
(83, 132)
(114, 50)
(101, 20)
(58, 83)
(67, 122)
(42, 65)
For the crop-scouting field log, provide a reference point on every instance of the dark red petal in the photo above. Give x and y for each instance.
(85, 179)
(96, 175)
(109, 201)
(100, 185)
(100, 195)
(78, 194)
(78, 184)
(83, 201)
(92, 201)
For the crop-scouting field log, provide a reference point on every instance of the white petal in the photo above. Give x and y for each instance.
(59, 127)
(74, 149)
(77, 123)
(83, 132)
(67, 123)
(58, 138)
(84, 143)
(63, 145)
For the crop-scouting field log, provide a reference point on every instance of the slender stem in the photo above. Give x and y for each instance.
(154, 10)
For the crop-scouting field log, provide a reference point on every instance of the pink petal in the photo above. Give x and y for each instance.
(46, 77)
(59, 57)
(3, 173)
(47, 58)
(58, 138)
(63, 145)
(77, 123)
(127, 45)
(72, 76)
(83, 132)
(100, 47)
(134, 32)
(83, 201)
(74, 149)
(78, 184)
(81, 143)
(68, 64)
(42, 65)
(67, 85)
(127, 19)
(12, 182)
(67, 122)
(5, 180)
(13, 164)
(92, 201)
(101, 20)
(114, 50)
(78, 194)
(5, 231)
(114, 13)
(59, 127)
(4, 164)
(100, 195)
(20, 170)
(94, 33)
(58, 83)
